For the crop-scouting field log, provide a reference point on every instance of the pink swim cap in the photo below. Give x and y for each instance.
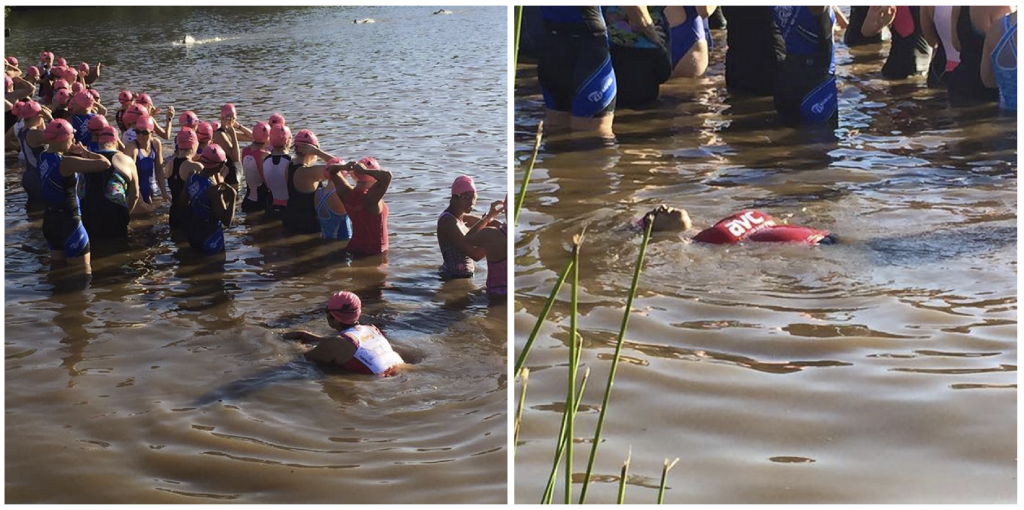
(188, 118)
(277, 120)
(46, 56)
(13, 61)
(228, 110)
(307, 137)
(58, 130)
(261, 132)
(26, 109)
(335, 161)
(61, 84)
(83, 68)
(32, 71)
(345, 307)
(187, 139)
(145, 123)
(204, 131)
(132, 114)
(463, 184)
(279, 135)
(125, 97)
(97, 122)
(94, 93)
(144, 99)
(108, 134)
(62, 62)
(77, 87)
(215, 125)
(212, 156)
(370, 163)
(84, 101)
(62, 97)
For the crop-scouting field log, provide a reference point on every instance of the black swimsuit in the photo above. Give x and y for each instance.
(300, 215)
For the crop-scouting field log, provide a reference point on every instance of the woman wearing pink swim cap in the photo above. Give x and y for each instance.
(176, 171)
(454, 224)
(227, 135)
(211, 200)
(494, 240)
(303, 180)
(28, 134)
(162, 131)
(357, 348)
(365, 205)
(252, 168)
(275, 171)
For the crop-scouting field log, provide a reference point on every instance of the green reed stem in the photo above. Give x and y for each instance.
(543, 315)
(622, 480)
(519, 24)
(618, 351)
(574, 360)
(519, 411)
(529, 170)
(664, 478)
(560, 448)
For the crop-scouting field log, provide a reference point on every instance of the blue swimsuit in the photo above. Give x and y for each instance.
(205, 234)
(806, 87)
(30, 180)
(146, 166)
(686, 34)
(80, 123)
(332, 225)
(575, 66)
(62, 221)
(1006, 75)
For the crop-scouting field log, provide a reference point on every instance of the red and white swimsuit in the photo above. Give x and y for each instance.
(373, 355)
(753, 225)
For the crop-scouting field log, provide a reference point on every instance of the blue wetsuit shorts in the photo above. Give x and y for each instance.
(576, 76)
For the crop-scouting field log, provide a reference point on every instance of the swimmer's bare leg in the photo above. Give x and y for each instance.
(557, 122)
(602, 126)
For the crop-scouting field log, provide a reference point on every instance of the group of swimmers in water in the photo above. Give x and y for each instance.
(592, 59)
(93, 176)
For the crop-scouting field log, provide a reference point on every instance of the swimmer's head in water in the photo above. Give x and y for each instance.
(97, 123)
(280, 136)
(108, 137)
(344, 307)
(204, 131)
(188, 119)
(261, 132)
(668, 219)
(187, 140)
(212, 157)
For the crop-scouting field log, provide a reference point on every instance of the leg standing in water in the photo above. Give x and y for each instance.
(909, 50)
(755, 50)
(358, 348)
(575, 71)
(689, 39)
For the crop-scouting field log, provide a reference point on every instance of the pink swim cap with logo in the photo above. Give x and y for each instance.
(345, 307)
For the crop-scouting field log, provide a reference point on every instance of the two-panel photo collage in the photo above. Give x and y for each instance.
(496, 255)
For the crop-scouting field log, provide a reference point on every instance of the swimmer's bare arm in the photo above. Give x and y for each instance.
(928, 26)
(492, 214)
(244, 133)
(78, 159)
(878, 17)
(954, 18)
(988, 77)
(705, 11)
(165, 130)
(841, 21)
(161, 179)
(486, 239)
(94, 73)
(11, 140)
(340, 183)
(222, 197)
(331, 350)
(323, 155)
(448, 229)
(132, 196)
(377, 191)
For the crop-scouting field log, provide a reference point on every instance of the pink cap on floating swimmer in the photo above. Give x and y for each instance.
(61, 84)
(83, 68)
(84, 101)
(277, 120)
(463, 184)
(307, 137)
(345, 307)
(77, 87)
(279, 135)
(13, 61)
(32, 72)
(97, 122)
(108, 134)
(125, 97)
(212, 156)
(132, 114)
(188, 118)
(204, 131)
(61, 97)
(58, 130)
(145, 123)
(187, 139)
(62, 62)
(228, 110)
(26, 109)
(261, 132)
(144, 99)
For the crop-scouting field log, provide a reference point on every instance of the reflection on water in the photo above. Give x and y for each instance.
(167, 370)
(879, 369)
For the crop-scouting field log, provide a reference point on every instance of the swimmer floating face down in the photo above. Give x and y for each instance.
(668, 219)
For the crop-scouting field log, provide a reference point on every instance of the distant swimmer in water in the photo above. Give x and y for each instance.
(747, 225)
(358, 348)
(188, 39)
(442, 11)
(363, 21)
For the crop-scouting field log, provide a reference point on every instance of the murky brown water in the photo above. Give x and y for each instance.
(166, 380)
(882, 369)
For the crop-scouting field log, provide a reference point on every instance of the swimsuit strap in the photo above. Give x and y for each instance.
(323, 198)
